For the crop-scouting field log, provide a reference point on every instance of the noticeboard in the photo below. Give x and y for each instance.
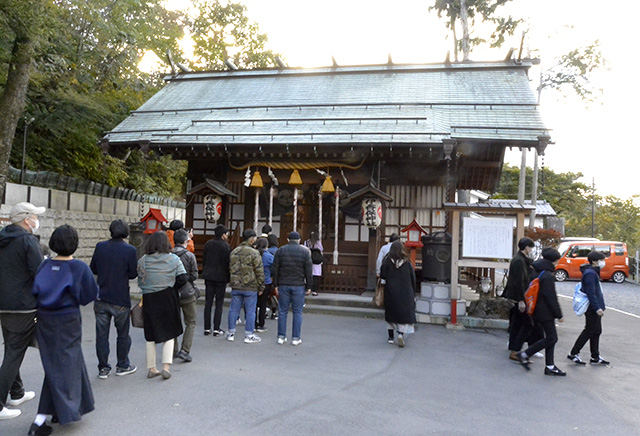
(487, 238)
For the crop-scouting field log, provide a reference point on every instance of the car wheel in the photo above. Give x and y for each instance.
(561, 275)
(618, 277)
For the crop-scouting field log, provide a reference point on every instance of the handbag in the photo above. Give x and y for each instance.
(136, 316)
(378, 297)
(580, 300)
(316, 256)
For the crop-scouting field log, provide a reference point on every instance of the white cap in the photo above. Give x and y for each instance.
(21, 211)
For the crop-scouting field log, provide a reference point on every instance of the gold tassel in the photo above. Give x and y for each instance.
(327, 186)
(295, 178)
(256, 182)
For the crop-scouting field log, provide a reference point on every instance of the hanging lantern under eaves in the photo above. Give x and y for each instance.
(371, 212)
(212, 207)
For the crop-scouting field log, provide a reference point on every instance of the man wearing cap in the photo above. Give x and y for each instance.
(215, 271)
(292, 275)
(247, 281)
(21, 256)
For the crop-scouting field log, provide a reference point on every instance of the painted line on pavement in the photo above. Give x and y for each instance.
(608, 308)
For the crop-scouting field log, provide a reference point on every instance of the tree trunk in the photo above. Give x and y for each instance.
(12, 101)
(464, 20)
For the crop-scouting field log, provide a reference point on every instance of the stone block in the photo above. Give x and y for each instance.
(39, 196)
(93, 204)
(121, 208)
(108, 205)
(426, 290)
(443, 308)
(59, 199)
(76, 202)
(15, 193)
(423, 305)
(441, 292)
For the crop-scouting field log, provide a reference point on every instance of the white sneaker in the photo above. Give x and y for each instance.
(28, 395)
(282, 341)
(252, 339)
(296, 342)
(231, 337)
(538, 355)
(9, 413)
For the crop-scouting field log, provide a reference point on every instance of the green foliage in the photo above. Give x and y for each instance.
(482, 10)
(615, 219)
(221, 30)
(574, 69)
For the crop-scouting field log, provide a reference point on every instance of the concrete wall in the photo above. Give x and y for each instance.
(89, 214)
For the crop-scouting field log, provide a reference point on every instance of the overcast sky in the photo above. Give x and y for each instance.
(596, 139)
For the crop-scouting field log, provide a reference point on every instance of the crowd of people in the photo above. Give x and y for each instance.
(40, 302)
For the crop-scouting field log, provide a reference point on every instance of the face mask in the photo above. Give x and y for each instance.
(35, 227)
(601, 263)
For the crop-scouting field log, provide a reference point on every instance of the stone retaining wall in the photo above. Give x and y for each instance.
(89, 214)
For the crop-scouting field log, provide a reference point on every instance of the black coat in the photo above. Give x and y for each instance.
(215, 260)
(519, 277)
(399, 292)
(547, 307)
(21, 256)
(292, 266)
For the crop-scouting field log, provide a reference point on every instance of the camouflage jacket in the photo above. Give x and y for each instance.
(247, 272)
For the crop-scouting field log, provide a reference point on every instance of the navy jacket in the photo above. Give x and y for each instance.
(591, 287)
(292, 266)
(20, 257)
(115, 263)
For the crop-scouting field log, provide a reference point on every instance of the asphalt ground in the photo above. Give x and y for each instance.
(344, 379)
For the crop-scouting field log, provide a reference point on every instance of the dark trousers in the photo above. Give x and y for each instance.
(18, 332)
(263, 300)
(548, 342)
(315, 285)
(591, 333)
(520, 327)
(213, 290)
(120, 314)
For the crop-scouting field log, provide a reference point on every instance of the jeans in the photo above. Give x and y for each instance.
(591, 332)
(189, 315)
(213, 290)
(294, 296)
(248, 299)
(18, 331)
(120, 314)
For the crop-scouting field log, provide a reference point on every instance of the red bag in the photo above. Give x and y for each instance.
(531, 295)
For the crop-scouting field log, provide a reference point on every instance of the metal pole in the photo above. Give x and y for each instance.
(335, 236)
(593, 207)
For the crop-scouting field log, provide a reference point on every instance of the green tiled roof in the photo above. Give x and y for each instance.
(360, 105)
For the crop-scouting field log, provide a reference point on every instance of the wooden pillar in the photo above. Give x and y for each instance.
(520, 226)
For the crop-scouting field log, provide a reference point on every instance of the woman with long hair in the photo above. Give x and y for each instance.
(160, 274)
(399, 293)
(263, 297)
(315, 245)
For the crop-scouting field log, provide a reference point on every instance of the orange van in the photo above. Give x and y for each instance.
(615, 254)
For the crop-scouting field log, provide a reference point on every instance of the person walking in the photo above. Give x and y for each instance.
(215, 271)
(399, 293)
(263, 296)
(291, 273)
(160, 273)
(114, 262)
(546, 311)
(188, 295)
(21, 256)
(520, 324)
(315, 245)
(593, 316)
(61, 286)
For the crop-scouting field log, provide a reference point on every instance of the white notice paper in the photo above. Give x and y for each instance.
(490, 238)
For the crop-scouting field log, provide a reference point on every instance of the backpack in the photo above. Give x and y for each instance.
(531, 294)
(580, 300)
(316, 256)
